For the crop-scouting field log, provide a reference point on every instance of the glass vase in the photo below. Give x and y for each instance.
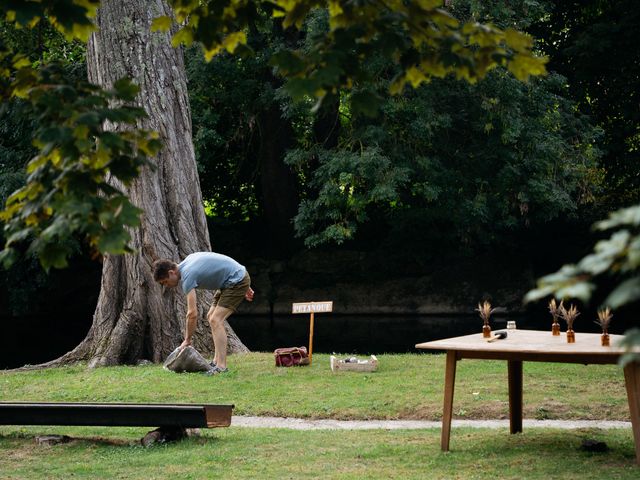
(571, 336)
(604, 339)
(486, 331)
(555, 328)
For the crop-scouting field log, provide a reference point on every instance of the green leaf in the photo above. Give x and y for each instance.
(630, 341)
(114, 241)
(627, 292)
(161, 24)
(231, 41)
(626, 216)
(184, 36)
(579, 290)
(288, 62)
(298, 88)
(366, 102)
(8, 257)
(523, 66)
(538, 293)
(596, 264)
(19, 236)
(52, 254)
(125, 89)
(90, 119)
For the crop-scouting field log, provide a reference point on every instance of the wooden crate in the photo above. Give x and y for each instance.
(370, 365)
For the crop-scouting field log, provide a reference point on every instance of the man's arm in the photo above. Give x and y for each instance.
(192, 317)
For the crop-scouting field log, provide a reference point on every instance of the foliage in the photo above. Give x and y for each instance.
(230, 100)
(67, 192)
(25, 287)
(15, 146)
(519, 14)
(70, 17)
(42, 44)
(593, 43)
(347, 184)
(225, 96)
(477, 161)
(617, 256)
(420, 37)
(630, 342)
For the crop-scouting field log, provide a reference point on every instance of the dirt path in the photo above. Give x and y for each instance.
(304, 424)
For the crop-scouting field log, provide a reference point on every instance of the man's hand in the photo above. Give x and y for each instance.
(249, 295)
(184, 344)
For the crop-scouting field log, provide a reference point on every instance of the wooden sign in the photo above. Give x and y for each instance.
(312, 308)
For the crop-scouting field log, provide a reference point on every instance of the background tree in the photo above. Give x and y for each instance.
(241, 136)
(593, 43)
(134, 319)
(133, 315)
(452, 163)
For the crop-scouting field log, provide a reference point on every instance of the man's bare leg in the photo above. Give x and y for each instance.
(217, 316)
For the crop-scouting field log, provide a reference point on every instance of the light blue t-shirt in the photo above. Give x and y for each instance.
(209, 271)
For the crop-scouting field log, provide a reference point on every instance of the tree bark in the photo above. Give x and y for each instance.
(135, 317)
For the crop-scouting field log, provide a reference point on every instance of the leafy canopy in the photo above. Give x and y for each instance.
(67, 192)
(420, 37)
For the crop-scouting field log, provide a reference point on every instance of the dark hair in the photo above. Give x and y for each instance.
(161, 269)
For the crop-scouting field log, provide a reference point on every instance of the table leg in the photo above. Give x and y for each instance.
(632, 382)
(449, 384)
(514, 369)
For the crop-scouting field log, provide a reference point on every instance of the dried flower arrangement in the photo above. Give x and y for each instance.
(604, 318)
(485, 311)
(569, 315)
(556, 311)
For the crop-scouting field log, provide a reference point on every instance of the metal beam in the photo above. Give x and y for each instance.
(116, 414)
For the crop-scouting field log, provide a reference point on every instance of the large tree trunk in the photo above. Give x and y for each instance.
(135, 318)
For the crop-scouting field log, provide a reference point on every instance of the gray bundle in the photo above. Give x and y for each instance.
(187, 359)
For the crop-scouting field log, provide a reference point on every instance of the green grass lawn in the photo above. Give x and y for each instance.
(100, 453)
(406, 386)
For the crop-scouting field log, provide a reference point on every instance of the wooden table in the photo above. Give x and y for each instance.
(532, 346)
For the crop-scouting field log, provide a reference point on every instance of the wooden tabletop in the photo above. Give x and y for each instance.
(530, 341)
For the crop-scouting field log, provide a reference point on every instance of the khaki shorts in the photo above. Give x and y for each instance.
(232, 296)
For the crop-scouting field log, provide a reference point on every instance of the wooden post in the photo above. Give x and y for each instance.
(311, 339)
(312, 308)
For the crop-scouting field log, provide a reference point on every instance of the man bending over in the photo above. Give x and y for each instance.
(209, 271)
